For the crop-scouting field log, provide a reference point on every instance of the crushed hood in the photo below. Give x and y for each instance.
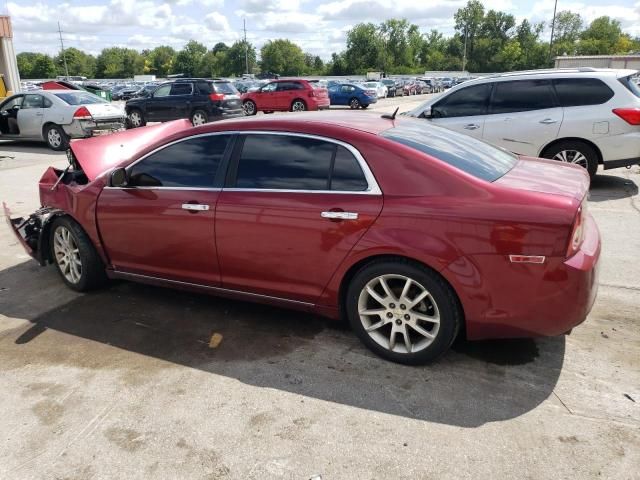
(100, 154)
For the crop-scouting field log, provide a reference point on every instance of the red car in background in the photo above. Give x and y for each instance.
(286, 96)
(413, 232)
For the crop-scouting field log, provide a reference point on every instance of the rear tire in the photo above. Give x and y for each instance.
(354, 104)
(431, 324)
(365, 107)
(75, 257)
(574, 151)
(56, 138)
(298, 106)
(135, 119)
(199, 117)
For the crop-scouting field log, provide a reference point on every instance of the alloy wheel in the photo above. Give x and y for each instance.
(572, 156)
(392, 306)
(54, 138)
(249, 108)
(198, 119)
(67, 254)
(354, 104)
(298, 106)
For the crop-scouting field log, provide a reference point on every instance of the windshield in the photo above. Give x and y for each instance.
(371, 84)
(388, 82)
(79, 98)
(461, 151)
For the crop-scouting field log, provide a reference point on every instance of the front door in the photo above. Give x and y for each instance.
(266, 98)
(159, 106)
(30, 116)
(523, 116)
(293, 210)
(162, 225)
(464, 110)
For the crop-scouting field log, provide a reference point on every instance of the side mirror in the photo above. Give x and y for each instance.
(426, 113)
(119, 178)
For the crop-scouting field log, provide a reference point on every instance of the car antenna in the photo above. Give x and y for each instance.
(392, 116)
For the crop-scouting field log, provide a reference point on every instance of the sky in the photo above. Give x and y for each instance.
(318, 26)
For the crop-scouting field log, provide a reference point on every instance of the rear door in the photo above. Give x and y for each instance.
(523, 116)
(162, 224)
(463, 110)
(30, 116)
(294, 208)
(286, 93)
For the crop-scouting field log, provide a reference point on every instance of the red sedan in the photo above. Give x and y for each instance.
(413, 232)
(285, 96)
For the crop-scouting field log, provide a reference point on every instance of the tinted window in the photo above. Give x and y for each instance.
(283, 162)
(204, 88)
(290, 86)
(466, 102)
(630, 84)
(79, 98)
(181, 89)
(225, 87)
(347, 174)
(573, 92)
(461, 151)
(191, 163)
(522, 96)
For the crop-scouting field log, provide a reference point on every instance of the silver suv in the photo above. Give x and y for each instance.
(585, 116)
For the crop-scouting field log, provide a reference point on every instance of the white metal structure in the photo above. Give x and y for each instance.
(585, 116)
(55, 116)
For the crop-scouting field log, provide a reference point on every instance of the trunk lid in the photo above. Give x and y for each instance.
(102, 111)
(97, 155)
(547, 176)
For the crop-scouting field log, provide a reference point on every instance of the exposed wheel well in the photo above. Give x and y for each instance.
(299, 100)
(573, 139)
(45, 234)
(355, 268)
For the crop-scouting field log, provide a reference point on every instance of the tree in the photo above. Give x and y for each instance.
(364, 49)
(189, 59)
(220, 47)
(600, 37)
(117, 62)
(161, 60)
(283, 57)
(234, 63)
(568, 26)
(78, 63)
(337, 65)
(468, 21)
(35, 66)
(534, 52)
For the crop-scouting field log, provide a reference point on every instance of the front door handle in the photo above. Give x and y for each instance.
(471, 126)
(548, 121)
(340, 215)
(195, 207)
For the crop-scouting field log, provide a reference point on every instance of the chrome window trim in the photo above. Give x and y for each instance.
(372, 185)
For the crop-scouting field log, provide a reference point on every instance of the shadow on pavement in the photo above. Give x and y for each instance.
(473, 384)
(611, 187)
(8, 147)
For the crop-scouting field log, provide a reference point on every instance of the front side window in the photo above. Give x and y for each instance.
(33, 101)
(191, 163)
(466, 102)
(573, 92)
(181, 89)
(269, 87)
(14, 102)
(522, 96)
(284, 162)
(162, 91)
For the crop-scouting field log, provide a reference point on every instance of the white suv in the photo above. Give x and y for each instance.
(585, 116)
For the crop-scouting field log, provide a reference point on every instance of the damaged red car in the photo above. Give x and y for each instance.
(414, 233)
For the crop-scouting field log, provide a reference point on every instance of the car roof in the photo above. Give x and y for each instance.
(558, 73)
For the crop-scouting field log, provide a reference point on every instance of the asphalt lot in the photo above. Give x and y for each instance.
(123, 383)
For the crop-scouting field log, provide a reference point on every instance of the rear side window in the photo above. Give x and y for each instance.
(522, 96)
(461, 151)
(191, 163)
(283, 86)
(573, 92)
(283, 162)
(181, 89)
(204, 88)
(465, 102)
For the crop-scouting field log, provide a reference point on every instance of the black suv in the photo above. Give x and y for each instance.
(197, 99)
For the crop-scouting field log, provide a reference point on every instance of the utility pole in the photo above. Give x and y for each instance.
(464, 54)
(64, 56)
(553, 27)
(246, 45)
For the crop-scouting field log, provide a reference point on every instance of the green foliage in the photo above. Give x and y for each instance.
(283, 57)
(235, 63)
(78, 63)
(117, 62)
(35, 66)
(160, 61)
(189, 59)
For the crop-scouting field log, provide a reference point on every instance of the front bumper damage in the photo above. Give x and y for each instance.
(32, 231)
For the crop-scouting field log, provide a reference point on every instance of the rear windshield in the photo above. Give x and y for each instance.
(630, 83)
(461, 151)
(79, 98)
(225, 87)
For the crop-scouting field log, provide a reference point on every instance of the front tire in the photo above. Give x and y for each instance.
(56, 137)
(403, 311)
(75, 257)
(576, 152)
(249, 108)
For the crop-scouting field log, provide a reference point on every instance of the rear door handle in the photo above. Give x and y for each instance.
(548, 121)
(471, 126)
(340, 215)
(195, 207)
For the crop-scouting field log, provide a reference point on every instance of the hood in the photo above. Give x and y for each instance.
(97, 155)
(547, 176)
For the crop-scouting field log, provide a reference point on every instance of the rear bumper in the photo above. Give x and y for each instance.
(88, 128)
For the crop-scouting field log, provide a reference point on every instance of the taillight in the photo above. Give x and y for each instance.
(82, 114)
(629, 115)
(216, 97)
(312, 93)
(577, 232)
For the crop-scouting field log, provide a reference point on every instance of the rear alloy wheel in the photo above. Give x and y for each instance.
(199, 117)
(354, 104)
(249, 108)
(136, 119)
(575, 152)
(298, 106)
(56, 137)
(403, 312)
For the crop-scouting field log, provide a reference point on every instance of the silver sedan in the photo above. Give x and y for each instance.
(56, 116)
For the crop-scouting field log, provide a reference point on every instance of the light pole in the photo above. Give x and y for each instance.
(553, 27)
(464, 53)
